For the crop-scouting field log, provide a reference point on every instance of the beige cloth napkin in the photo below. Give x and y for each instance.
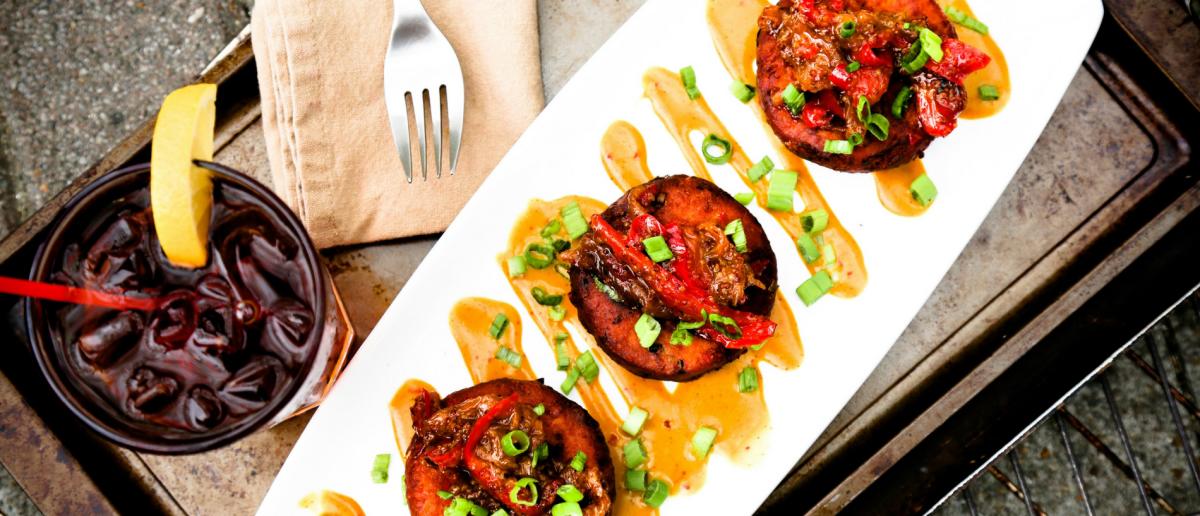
(320, 73)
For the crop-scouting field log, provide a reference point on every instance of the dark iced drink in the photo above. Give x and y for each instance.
(250, 338)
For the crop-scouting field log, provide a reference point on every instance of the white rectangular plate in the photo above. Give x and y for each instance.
(558, 155)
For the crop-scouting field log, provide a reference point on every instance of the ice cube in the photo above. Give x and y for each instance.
(150, 391)
(253, 385)
(288, 323)
(115, 334)
(175, 319)
(203, 410)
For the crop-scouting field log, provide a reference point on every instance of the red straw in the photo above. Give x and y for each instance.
(67, 294)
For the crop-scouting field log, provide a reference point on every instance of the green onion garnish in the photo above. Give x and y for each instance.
(780, 190)
(901, 100)
(657, 249)
(914, 59)
(579, 461)
(505, 354)
(847, 29)
(738, 233)
(702, 441)
(515, 495)
(560, 354)
(963, 19)
(744, 92)
(878, 126)
(863, 109)
(680, 336)
(634, 422)
(688, 75)
(570, 493)
(725, 325)
(793, 99)
(808, 248)
(828, 255)
(573, 219)
(713, 141)
(516, 266)
(923, 190)
(559, 245)
(498, 326)
(552, 228)
(544, 298)
(379, 470)
(855, 139)
(514, 443)
(539, 256)
(839, 147)
(586, 364)
(656, 493)
(813, 288)
(572, 378)
(760, 169)
(744, 198)
(814, 221)
(635, 479)
(557, 313)
(539, 409)
(500, 512)
(463, 507)
(445, 495)
(540, 453)
(566, 508)
(635, 454)
(647, 329)
(931, 44)
(853, 66)
(748, 380)
(989, 92)
(607, 290)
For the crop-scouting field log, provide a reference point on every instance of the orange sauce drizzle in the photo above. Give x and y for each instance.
(470, 320)
(623, 152)
(995, 73)
(330, 503)
(892, 186)
(400, 410)
(712, 400)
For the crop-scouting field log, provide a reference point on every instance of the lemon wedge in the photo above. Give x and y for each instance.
(181, 192)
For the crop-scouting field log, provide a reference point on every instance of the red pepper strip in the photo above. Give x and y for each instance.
(644, 226)
(840, 77)
(958, 60)
(673, 291)
(482, 424)
(866, 55)
(682, 263)
(446, 459)
(818, 114)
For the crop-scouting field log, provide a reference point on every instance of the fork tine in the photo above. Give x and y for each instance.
(455, 108)
(400, 138)
(435, 130)
(418, 124)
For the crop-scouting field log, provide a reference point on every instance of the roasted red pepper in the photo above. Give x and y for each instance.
(643, 226)
(682, 263)
(484, 421)
(958, 60)
(840, 77)
(866, 55)
(447, 458)
(817, 114)
(690, 303)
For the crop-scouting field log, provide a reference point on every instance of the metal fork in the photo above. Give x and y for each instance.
(421, 69)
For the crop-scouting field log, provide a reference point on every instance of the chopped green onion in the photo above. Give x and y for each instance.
(552, 228)
(560, 354)
(914, 59)
(498, 326)
(744, 92)
(839, 147)
(635, 479)
(579, 461)
(463, 507)
(808, 248)
(931, 44)
(572, 378)
(656, 493)
(760, 169)
(680, 336)
(855, 140)
(539, 409)
(540, 453)
(573, 219)
(544, 298)
(712, 141)
(793, 99)
(566, 508)
(500, 512)
(725, 325)
(744, 198)
(780, 190)
(563, 270)
(989, 92)
(702, 441)
(560, 245)
(635, 454)
(634, 422)
(738, 232)
(863, 109)
(963, 19)
(853, 66)
(607, 290)
(514, 443)
(647, 329)
(878, 126)
(828, 255)
(514, 495)
(539, 256)
(570, 493)
(688, 75)
(557, 313)
(379, 470)
(814, 221)
(847, 29)
(586, 364)
(923, 190)
(748, 380)
(901, 100)
(445, 495)
(516, 266)
(813, 288)
(657, 249)
(505, 354)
